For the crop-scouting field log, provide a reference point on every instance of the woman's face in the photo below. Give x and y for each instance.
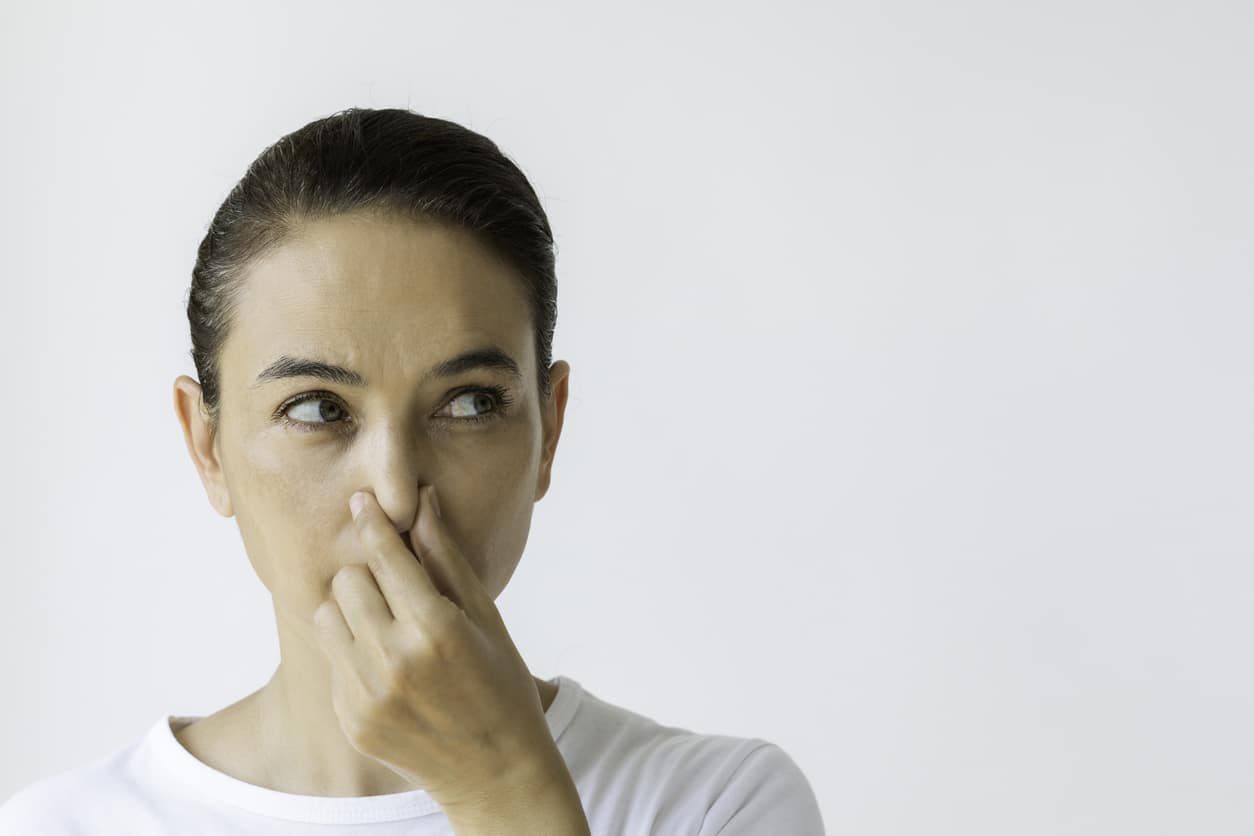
(388, 299)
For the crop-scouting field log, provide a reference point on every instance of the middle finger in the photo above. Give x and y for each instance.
(364, 607)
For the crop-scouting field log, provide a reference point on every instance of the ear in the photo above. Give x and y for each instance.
(201, 442)
(552, 413)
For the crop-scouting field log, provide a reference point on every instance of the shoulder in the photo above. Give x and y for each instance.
(765, 791)
(73, 802)
(628, 767)
(40, 807)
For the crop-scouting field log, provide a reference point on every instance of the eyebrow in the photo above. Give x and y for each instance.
(484, 357)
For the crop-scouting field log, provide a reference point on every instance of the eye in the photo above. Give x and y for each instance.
(494, 399)
(314, 413)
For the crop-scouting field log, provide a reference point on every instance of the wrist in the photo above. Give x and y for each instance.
(540, 798)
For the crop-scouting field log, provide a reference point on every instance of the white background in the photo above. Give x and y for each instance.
(910, 416)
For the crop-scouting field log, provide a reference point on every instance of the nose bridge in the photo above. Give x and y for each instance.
(394, 468)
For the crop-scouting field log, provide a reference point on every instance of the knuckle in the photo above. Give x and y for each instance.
(445, 641)
(395, 677)
(349, 578)
(386, 686)
(376, 563)
(414, 650)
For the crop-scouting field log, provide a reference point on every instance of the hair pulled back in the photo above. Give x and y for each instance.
(391, 160)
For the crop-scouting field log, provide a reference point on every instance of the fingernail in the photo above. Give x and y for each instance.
(435, 503)
(356, 503)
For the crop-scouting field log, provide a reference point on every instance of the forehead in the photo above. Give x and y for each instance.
(380, 292)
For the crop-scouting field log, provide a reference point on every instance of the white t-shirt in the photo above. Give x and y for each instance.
(634, 776)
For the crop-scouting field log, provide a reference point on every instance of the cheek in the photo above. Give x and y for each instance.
(295, 563)
(296, 535)
(509, 542)
(494, 544)
(494, 515)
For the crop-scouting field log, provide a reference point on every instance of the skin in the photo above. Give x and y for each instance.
(387, 297)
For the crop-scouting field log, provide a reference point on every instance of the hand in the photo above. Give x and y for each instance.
(426, 678)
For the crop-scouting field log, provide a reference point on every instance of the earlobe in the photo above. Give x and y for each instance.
(542, 485)
(222, 504)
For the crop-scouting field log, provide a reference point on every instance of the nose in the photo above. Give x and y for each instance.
(395, 471)
(399, 504)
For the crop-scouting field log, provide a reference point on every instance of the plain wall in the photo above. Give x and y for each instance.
(910, 404)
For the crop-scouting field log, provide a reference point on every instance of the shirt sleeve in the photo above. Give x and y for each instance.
(766, 794)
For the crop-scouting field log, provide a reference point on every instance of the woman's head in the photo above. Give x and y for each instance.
(387, 244)
(416, 166)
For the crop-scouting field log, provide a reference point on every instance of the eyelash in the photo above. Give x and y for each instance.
(498, 393)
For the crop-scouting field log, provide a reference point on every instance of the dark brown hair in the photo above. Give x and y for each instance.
(391, 160)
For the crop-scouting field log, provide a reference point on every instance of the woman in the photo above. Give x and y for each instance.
(372, 312)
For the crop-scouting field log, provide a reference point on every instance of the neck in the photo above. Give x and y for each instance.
(305, 750)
